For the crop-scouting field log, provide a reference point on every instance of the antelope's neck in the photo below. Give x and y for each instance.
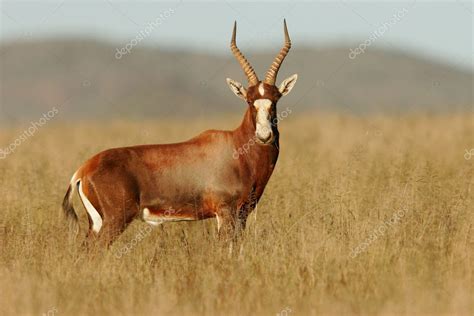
(260, 158)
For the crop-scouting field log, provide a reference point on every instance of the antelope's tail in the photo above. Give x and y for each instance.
(68, 207)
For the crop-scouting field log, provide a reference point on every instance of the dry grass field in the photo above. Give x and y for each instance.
(363, 216)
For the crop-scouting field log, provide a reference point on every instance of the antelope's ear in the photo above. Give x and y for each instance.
(237, 88)
(288, 84)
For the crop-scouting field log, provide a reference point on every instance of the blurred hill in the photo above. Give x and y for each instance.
(84, 80)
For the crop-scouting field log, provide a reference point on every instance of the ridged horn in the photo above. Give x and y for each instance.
(248, 70)
(272, 73)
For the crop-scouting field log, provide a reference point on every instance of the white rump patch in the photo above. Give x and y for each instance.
(263, 128)
(94, 215)
(156, 220)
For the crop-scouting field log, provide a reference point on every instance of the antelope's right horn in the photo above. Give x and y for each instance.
(248, 70)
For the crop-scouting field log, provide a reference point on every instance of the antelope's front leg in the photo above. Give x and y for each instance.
(230, 223)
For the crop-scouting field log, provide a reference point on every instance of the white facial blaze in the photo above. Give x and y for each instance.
(264, 126)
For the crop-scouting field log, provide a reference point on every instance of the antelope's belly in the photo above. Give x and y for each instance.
(157, 216)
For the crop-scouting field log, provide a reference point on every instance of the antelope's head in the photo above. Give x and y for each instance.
(262, 96)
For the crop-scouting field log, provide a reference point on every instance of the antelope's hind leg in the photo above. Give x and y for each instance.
(109, 210)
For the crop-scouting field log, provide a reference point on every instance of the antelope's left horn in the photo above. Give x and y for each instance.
(247, 68)
(272, 73)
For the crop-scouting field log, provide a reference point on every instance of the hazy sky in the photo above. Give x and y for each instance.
(440, 30)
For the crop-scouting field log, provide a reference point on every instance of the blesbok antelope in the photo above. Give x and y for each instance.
(197, 179)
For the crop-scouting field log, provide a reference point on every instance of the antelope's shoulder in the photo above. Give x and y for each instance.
(212, 136)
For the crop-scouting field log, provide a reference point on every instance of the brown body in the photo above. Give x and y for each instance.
(207, 176)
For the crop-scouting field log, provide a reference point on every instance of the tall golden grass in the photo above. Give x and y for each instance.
(326, 239)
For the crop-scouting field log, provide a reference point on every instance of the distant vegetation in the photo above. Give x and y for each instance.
(85, 80)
